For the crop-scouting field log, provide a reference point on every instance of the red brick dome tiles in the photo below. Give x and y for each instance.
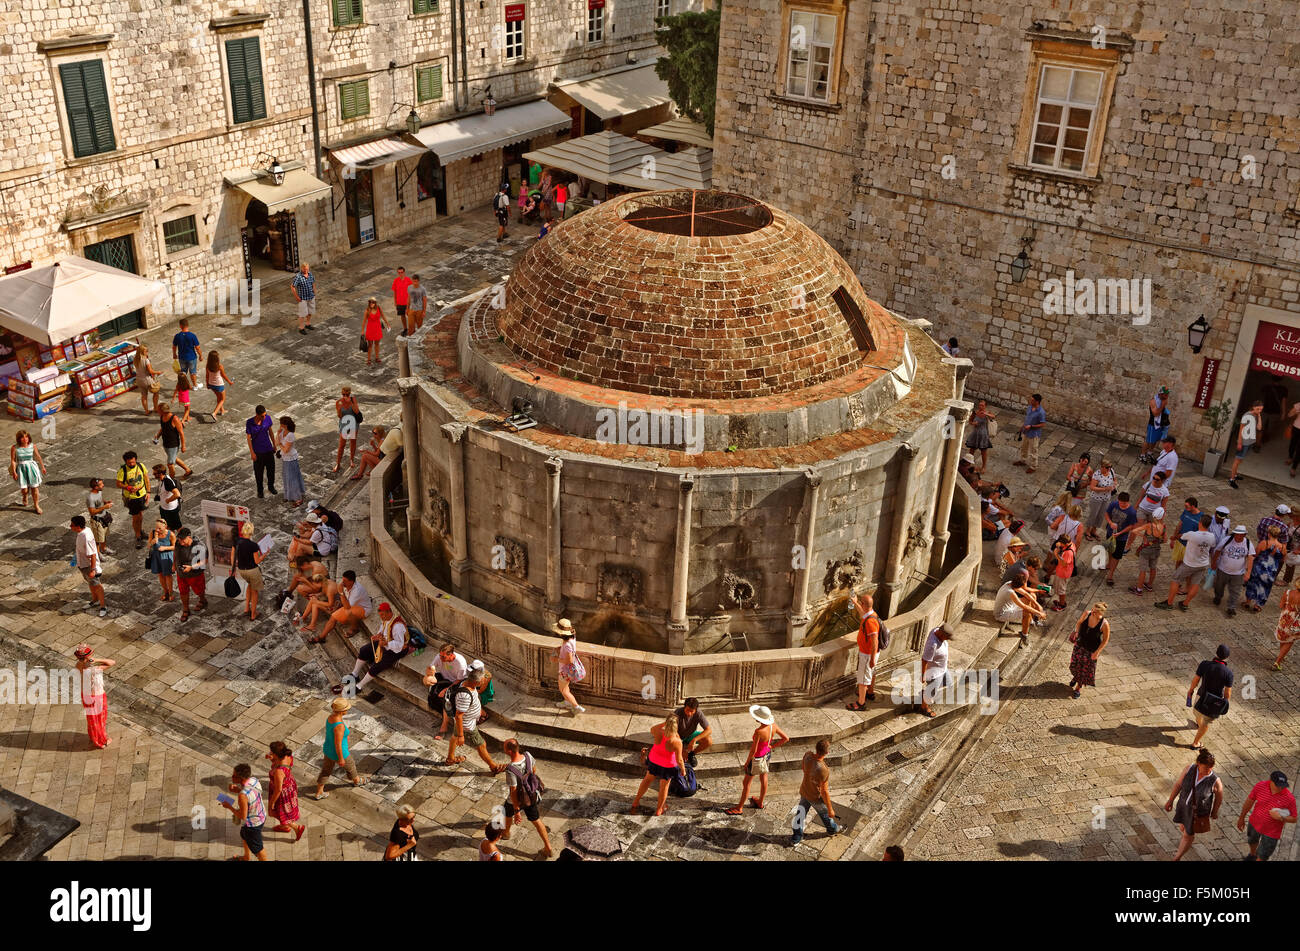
(754, 304)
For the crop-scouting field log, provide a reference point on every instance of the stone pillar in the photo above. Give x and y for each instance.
(677, 624)
(409, 387)
(403, 357)
(554, 547)
(963, 366)
(460, 564)
(958, 411)
(797, 626)
(891, 592)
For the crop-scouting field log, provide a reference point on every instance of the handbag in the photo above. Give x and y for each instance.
(364, 345)
(148, 562)
(993, 427)
(232, 586)
(154, 386)
(1200, 824)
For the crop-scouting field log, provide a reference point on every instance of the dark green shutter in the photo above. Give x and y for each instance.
(354, 99)
(346, 12)
(253, 63)
(429, 84)
(356, 11)
(86, 96)
(247, 96)
(424, 6)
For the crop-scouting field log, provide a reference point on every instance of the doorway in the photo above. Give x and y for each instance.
(1268, 461)
(359, 194)
(119, 253)
(431, 182)
(270, 242)
(1265, 366)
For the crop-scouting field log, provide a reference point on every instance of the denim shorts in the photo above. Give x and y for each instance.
(172, 453)
(1245, 448)
(252, 836)
(218, 389)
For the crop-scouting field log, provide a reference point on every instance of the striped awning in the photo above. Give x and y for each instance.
(599, 157)
(462, 138)
(376, 153)
(680, 129)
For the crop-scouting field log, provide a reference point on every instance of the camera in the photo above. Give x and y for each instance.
(1003, 491)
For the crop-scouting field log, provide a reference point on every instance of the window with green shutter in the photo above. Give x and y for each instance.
(424, 6)
(428, 83)
(247, 96)
(354, 99)
(180, 233)
(346, 12)
(85, 94)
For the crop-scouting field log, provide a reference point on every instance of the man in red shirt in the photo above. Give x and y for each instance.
(1274, 808)
(401, 298)
(868, 649)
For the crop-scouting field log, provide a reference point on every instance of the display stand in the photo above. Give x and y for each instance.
(221, 525)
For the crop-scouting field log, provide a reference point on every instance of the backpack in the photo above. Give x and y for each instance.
(415, 639)
(449, 697)
(883, 637)
(503, 202)
(331, 536)
(530, 786)
(685, 786)
(333, 519)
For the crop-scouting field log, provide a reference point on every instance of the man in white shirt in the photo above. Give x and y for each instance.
(386, 648)
(1197, 554)
(1232, 562)
(87, 561)
(934, 666)
(447, 668)
(1166, 462)
(355, 609)
(1247, 434)
(1221, 526)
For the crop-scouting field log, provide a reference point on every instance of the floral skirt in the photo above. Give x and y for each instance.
(1083, 668)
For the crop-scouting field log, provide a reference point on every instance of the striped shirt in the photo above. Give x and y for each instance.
(1284, 530)
(305, 285)
(1266, 799)
(256, 808)
(467, 703)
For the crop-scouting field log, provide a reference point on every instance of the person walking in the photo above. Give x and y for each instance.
(463, 699)
(1157, 423)
(663, 761)
(1100, 486)
(1063, 553)
(1031, 432)
(979, 439)
(1279, 520)
(26, 467)
(387, 646)
(248, 811)
(168, 497)
(868, 650)
(349, 413)
(184, 385)
(1154, 495)
(284, 792)
(286, 447)
(501, 207)
(1150, 540)
(418, 302)
(1247, 434)
(1221, 526)
(1199, 794)
(1272, 807)
(171, 430)
(218, 380)
(86, 560)
(304, 292)
(1190, 574)
(162, 547)
(815, 792)
(94, 699)
(185, 349)
(934, 665)
(1264, 570)
(1288, 624)
(401, 298)
(1069, 524)
(1232, 563)
(767, 738)
(373, 325)
(1166, 461)
(246, 556)
(146, 379)
(1090, 637)
(190, 560)
(1212, 685)
(402, 838)
(335, 750)
(1189, 520)
(100, 516)
(448, 667)
(526, 789)
(571, 670)
(261, 448)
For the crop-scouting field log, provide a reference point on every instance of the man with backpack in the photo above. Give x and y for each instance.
(463, 706)
(501, 205)
(869, 647)
(526, 789)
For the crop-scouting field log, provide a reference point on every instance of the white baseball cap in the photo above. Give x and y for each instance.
(1158, 514)
(1284, 509)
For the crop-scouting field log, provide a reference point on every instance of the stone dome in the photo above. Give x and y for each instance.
(690, 295)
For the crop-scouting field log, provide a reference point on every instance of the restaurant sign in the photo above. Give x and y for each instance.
(1205, 385)
(1276, 350)
(514, 12)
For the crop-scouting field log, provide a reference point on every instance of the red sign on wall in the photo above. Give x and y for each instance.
(514, 12)
(1276, 350)
(595, 4)
(1205, 385)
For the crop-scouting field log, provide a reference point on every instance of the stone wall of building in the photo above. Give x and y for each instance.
(918, 174)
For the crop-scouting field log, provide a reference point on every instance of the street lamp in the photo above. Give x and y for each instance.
(1020, 264)
(276, 170)
(1196, 332)
(489, 104)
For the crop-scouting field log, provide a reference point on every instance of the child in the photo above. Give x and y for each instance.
(1063, 551)
(183, 386)
(546, 229)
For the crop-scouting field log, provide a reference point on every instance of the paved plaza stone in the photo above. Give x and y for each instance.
(1046, 777)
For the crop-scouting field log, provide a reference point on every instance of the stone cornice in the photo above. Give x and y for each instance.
(80, 43)
(237, 22)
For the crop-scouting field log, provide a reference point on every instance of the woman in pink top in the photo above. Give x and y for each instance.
(767, 737)
(663, 761)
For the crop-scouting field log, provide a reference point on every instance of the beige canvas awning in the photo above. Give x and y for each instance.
(619, 93)
(473, 135)
(376, 153)
(680, 129)
(54, 303)
(596, 157)
(299, 188)
(689, 168)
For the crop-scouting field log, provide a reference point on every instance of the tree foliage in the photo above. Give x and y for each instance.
(691, 67)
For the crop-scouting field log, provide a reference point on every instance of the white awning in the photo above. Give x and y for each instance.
(54, 303)
(618, 94)
(299, 188)
(376, 153)
(689, 168)
(597, 157)
(680, 129)
(473, 135)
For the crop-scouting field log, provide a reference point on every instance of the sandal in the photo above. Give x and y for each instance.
(1110, 582)
(734, 811)
(753, 801)
(854, 706)
(454, 761)
(185, 616)
(316, 640)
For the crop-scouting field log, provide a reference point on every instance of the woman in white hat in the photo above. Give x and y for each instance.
(1149, 539)
(571, 669)
(766, 738)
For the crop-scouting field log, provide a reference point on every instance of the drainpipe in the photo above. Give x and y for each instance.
(464, 58)
(455, 72)
(311, 87)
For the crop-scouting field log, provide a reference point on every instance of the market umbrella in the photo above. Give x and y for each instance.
(56, 302)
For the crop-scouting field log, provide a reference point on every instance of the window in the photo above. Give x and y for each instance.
(853, 316)
(180, 233)
(85, 95)
(244, 62)
(595, 21)
(428, 83)
(354, 99)
(663, 8)
(1064, 116)
(811, 55)
(347, 12)
(515, 30)
(421, 6)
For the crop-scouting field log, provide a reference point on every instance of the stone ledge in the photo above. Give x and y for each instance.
(84, 42)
